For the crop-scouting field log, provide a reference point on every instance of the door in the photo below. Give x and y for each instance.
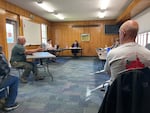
(11, 31)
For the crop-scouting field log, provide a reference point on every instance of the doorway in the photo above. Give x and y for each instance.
(11, 35)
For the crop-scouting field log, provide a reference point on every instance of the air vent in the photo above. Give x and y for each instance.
(91, 25)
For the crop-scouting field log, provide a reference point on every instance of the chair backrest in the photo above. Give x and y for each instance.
(129, 93)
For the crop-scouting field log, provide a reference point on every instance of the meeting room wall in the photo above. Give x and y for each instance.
(143, 21)
(9, 11)
(61, 33)
(3, 31)
(65, 33)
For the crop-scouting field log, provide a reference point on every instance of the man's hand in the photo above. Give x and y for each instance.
(31, 51)
(39, 49)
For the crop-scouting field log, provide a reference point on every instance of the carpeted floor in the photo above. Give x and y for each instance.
(68, 92)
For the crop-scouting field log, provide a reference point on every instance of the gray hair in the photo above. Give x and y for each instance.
(19, 38)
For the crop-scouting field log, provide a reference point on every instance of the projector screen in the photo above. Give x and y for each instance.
(32, 32)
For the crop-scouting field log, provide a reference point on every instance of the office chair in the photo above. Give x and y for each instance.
(129, 93)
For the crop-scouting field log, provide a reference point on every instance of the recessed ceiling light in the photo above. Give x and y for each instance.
(60, 16)
(104, 4)
(101, 14)
(39, 1)
(45, 6)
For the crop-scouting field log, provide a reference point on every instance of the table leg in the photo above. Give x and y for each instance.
(81, 52)
(49, 73)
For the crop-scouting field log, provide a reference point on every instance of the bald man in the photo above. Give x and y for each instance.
(129, 55)
(18, 59)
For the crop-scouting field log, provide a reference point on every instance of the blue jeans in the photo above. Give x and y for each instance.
(12, 83)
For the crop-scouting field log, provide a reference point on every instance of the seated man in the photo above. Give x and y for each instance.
(129, 55)
(7, 81)
(18, 59)
(50, 48)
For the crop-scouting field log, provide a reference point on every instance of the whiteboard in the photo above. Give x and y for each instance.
(32, 32)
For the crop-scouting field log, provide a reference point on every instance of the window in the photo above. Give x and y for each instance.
(44, 33)
(11, 31)
(143, 38)
(11, 35)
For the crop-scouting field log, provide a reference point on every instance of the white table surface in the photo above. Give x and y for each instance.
(70, 48)
(39, 55)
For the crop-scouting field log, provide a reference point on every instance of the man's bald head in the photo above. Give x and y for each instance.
(21, 40)
(128, 31)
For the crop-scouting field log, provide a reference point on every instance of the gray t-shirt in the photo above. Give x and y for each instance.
(126, 57)
(18, 54)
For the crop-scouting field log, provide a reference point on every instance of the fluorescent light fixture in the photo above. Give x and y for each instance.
(61, 17)
(101, 14)
(45, 6)
(104, 4)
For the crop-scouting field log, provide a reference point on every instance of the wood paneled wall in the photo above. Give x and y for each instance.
(8, 10)
(3, 41)
(64, 35)
(61, 33)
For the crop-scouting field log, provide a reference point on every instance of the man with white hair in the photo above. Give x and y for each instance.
(18, 59)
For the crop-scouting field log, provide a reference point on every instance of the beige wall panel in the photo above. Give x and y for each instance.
(64, 35)
(3, 31)
(7, 10)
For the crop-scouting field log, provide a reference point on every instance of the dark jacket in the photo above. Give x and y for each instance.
(129, 93)
(75, 50)
(4, 68)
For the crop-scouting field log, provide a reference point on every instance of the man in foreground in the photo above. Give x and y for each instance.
(129, 55)
(7, 81)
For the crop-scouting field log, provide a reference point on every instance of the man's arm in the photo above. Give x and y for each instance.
(107, 67)
(31, 51)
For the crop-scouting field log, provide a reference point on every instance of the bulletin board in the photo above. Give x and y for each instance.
(32, 32)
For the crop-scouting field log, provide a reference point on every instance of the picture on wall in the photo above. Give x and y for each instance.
(85, 37)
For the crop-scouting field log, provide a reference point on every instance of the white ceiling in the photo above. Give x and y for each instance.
(74, 10)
